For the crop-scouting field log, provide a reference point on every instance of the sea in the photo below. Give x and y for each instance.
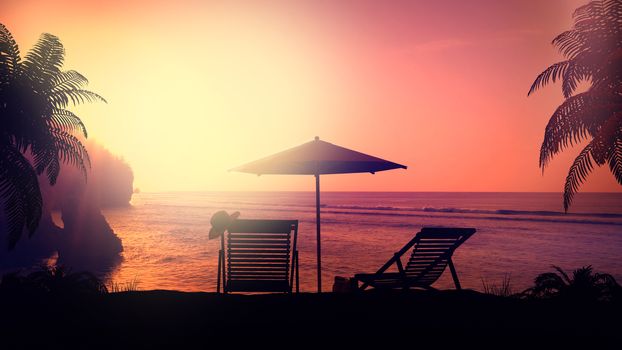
(519, 235)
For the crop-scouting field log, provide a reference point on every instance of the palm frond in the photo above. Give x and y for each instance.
(42, 154)
(565, 128)
(44, 61)
(9, 55)
(71, 151)
(583, 275)
(605, 139)
(615, 161)
(53, 170)
(588, 16)
(570, 43)
(62, 98)
(547, 284)
(596, 33)
(563, 274)
(605, 279)
(66, 120)
(45, 159)
(599, 23)
(551, 74)
(579, 170)
(573, 75)
(614, 10)
(19, 188)
(69, 80)
(579, 117)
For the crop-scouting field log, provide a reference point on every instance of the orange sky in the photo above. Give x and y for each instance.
(198, 87)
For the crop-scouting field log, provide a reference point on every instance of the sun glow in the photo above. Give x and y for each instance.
(217, 99)
(196, 88)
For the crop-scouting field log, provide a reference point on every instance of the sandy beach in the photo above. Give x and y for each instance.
(170, 319)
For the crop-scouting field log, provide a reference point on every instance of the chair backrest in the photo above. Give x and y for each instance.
(259, 255)
(432, 251)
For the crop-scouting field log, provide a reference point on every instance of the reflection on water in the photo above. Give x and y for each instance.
(522, 234)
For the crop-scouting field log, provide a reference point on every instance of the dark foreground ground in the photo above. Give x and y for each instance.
(415, 319)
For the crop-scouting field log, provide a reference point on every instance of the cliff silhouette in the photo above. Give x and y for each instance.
(109, 183)
(85, 240)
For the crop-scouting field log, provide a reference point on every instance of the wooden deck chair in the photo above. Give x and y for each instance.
(432, 249)
(260, 256)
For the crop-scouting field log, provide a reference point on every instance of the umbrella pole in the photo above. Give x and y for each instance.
(317, 222)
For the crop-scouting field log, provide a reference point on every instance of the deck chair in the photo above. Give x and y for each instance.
(259, 256)
(432, 249)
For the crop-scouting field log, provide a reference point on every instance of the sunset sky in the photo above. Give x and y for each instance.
(195, 88)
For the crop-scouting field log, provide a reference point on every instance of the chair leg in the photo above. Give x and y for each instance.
(297, 278)
(222, 263)
(454, 275)
(225, 290)
(400, 269)
(219, 271)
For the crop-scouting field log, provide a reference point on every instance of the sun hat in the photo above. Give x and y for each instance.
(220, 223)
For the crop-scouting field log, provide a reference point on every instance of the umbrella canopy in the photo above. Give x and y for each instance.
(316, 158)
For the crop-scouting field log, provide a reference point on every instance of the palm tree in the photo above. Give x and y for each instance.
(36, 128)
(593, 54)
(583, 285)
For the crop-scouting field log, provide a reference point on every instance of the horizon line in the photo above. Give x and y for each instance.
(350, 191)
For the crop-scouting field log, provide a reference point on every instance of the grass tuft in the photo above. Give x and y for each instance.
(503, 290)
(131, 286)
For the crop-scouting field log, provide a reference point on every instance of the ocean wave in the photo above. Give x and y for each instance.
(438, 215)
(473, 211)
(559, 219)
(430, 212)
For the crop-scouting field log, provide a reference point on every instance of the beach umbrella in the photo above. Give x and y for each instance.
(318, 158)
